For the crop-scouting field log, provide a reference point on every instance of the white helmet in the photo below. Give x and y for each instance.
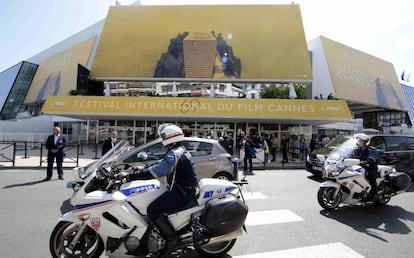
(362, 139)
(170, 134)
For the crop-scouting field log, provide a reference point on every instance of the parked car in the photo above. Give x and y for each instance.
(316, 159)
(394, 150)
(210, 158)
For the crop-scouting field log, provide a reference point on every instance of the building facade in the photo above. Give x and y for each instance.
(142, 66)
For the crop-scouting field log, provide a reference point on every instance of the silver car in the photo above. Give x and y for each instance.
(210, 158)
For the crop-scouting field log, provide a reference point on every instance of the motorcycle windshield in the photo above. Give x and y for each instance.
(111, 157)
(343, 150)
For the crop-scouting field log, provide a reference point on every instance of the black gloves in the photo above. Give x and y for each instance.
(140, 174)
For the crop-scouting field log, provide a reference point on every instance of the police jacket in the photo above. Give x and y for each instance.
(176, 165)
(368, 156)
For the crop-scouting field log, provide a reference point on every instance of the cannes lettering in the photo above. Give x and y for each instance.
(192, 106)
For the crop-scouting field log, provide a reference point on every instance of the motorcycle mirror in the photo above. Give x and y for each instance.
(142, 155)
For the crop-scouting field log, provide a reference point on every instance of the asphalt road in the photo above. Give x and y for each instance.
(285, 219)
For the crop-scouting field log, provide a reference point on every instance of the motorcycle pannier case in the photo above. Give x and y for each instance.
(225, 215)
(400, 181)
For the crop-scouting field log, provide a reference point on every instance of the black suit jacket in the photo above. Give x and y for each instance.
(107, 145)
(60, 144)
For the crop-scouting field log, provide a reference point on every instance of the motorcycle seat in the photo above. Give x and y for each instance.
(189, 205)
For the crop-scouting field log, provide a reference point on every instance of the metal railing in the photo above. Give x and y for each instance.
(9, 150)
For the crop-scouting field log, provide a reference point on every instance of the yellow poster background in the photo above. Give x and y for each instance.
(363, 78)
(269, 39)
(57, 75)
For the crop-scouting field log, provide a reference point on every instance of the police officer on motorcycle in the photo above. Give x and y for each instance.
(182, 181)
(368, 156)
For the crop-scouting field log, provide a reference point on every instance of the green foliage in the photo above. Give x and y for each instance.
(282, 92)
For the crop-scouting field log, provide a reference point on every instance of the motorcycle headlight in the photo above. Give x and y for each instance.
(331, 170)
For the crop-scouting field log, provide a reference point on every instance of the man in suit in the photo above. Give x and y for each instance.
(109, 142)
(55, 144)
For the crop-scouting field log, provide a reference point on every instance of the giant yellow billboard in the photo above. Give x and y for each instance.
(224, 42)
(58, 74)
(151, 107)
(360, 77)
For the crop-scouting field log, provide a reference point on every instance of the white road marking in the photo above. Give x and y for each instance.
(337, 250)
(271, 217)
(254, 196)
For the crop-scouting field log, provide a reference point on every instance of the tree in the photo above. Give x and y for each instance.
(282, 92)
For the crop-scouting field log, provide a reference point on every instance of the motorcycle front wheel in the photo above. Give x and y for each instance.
(89, 244)
(326, 198)
(218, 249)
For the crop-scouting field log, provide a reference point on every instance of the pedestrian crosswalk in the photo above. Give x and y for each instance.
(337, 250)
(271, 217)
(254, 196)
(267, 217)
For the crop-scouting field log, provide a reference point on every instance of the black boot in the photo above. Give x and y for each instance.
(168, 233)
(373, 193)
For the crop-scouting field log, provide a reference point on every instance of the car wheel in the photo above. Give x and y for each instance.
(223, 176)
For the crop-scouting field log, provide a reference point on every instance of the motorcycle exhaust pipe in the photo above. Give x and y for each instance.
(226, 237)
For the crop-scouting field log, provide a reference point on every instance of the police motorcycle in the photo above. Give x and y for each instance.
(111, 216)
(346, 181)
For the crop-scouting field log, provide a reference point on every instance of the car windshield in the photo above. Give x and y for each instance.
(344, 150)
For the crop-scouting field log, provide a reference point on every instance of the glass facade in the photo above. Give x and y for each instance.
(7, 79)
(409, 93)
(140, 132)
(15, 85)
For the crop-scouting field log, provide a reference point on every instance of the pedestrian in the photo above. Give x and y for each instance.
(302, 147)
(325, 140)
(230, 143)
(249, 153)
(312, 144)
(227, 144)
(266, 150)
(110, 142)
(285, 147)
(179, 169)
(274, 144)
(55, 145)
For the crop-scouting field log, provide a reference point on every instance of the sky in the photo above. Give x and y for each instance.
(381, 28)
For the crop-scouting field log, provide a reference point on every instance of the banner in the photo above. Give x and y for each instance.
(196, 107)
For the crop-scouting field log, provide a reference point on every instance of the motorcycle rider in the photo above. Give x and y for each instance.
(181, 178)
(368, 156)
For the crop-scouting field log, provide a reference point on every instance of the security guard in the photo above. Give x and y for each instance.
(180, 171)
(369, 160)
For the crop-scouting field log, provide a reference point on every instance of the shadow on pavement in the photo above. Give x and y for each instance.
(372, 219)
(23, 184)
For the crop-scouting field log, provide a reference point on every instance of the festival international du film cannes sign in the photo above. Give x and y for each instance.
(197, 106)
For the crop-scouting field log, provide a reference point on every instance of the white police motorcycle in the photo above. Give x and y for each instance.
(346, 181)
(111, 216)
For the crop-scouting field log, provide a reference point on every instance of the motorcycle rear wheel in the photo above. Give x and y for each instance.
(218, 249)
(89, 244)
(382, 198)
(326, 198)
